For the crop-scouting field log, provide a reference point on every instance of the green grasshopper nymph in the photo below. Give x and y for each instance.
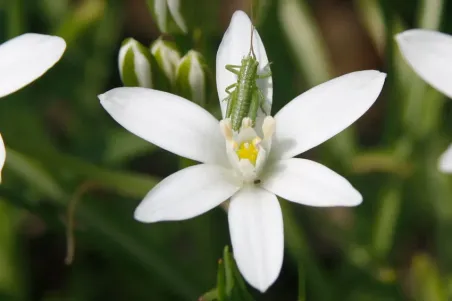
(246, 99)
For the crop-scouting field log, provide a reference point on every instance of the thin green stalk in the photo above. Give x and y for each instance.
(11, 281)
(429, 14)
(371, 16)
(301, 282)
(386, 218)
(387, 215)
(16, 20)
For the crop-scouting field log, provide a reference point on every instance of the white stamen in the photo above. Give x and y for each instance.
(246, 123)
(226, 129)
(268, 127)
(257, 141)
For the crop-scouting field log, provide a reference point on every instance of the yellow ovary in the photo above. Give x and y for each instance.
(248, 150)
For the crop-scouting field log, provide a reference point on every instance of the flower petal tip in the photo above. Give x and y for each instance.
(262, 284)
(377, 75)
(58, 43)
(445, 161)
(238, 14)
(143, 216)
(400, 37)
(263, 287)
(103, 98)
(107, 99)
(444, 168)
(356, 199)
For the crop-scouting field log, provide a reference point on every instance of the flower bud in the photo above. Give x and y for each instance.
(191, 78)
(167, 57)
(168, 15)
(134, 63)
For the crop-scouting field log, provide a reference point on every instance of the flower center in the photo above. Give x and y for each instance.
(248, 150)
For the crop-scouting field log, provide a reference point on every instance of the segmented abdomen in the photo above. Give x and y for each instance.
(246, 84)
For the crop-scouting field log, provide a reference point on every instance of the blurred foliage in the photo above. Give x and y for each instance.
(62, 144)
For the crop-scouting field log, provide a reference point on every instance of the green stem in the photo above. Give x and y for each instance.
(301, 282)
(15, 18)
(389, 208)
(386, 219)
(11, 279)
(430, 12)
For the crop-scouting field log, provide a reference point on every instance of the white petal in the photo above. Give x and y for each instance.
(26, 58)
(168, 121)
(323, 111)
(233, 48)
(430, 54)
(445, 161)
(309, 183)
(187, 193)
(256, 227)
(2, 156)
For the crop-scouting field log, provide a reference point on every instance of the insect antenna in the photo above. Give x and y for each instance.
(252, 32)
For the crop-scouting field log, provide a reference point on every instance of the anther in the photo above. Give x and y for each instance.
(246, 123)
(226, 128)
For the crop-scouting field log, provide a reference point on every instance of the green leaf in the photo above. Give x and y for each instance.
(427, 281)
(34, 173)
(234, 280)
(123, 146)
(228, 271)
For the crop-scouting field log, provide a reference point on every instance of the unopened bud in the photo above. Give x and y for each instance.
(191, 77)
(134, 63)
(167, 57)
(168, 15)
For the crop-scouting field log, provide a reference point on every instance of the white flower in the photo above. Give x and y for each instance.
(250, 167)
(23, 60)
(429, 53)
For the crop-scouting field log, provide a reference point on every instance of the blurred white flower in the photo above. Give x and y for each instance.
(167, 11)
(429, 53)
(24, 59)
(250, 166)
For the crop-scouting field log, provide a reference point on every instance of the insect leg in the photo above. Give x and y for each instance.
(254, 106)
(232, 99)
(266, 74)
(228, 92)
(262, 101)
(228, 89)
(233, 68)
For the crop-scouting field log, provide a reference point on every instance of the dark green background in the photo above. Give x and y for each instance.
(61, 143)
